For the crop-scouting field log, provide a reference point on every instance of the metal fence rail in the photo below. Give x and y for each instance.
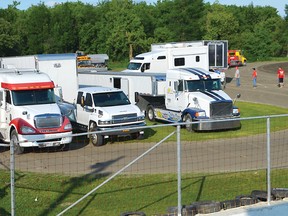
(177, 174)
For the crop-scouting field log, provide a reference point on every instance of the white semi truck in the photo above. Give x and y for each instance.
(201, 54)
(29, 115)
(82, 105)
(184, 94)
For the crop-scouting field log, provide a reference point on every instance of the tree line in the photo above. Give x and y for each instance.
(124, 28)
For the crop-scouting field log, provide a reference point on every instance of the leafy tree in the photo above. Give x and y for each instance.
(64, 32)
(220, 23)
(36, 29)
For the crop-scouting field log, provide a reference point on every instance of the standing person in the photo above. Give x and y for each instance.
(254, 77)
(281, 75)
(237, 76)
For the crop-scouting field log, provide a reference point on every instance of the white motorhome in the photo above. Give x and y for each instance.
(201, 54)
(184, 94)
(29, 114)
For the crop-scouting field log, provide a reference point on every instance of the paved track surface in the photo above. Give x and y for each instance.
(267, 91)
(219, 155)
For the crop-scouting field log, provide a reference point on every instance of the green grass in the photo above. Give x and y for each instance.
(149, 193)
(43, 194)
(246, 109)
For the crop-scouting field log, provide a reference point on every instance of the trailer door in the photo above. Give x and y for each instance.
(125, 86)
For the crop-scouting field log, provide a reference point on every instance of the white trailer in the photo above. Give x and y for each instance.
(201, 54)
(150, 83)
(61, 68)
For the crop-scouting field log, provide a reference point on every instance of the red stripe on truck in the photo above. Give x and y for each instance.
(28, 86)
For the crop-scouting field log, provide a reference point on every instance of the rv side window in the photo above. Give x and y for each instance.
(197, 58)
(179, 61)
(161, 57)
(79, 97)
(117, 83)
(88, 100)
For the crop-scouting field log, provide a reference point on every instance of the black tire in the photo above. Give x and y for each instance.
(261, 195)
(14, 138)
(228, 204)
(188, 119)
(95, 139)
(150, 113)
(280, 193)
(206, 207)
(247, 200)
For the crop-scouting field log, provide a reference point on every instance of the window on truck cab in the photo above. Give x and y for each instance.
(179, 61)
(80, 94)
(33, 97)
(203, 85)
(88, 100)
(110, 99)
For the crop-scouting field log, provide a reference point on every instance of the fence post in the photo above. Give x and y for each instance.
(12, 176)
(179, 170)
(268, 163)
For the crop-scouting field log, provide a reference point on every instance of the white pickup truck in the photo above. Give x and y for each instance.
(104, 109)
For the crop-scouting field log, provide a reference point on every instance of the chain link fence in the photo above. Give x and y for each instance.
(169, 171)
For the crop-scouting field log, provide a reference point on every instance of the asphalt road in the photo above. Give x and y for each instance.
(230, 154)
(267, 91)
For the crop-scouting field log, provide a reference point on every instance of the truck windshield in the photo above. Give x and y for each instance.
(33, 97)
(203, 85)
(110, 99)
(134, 66)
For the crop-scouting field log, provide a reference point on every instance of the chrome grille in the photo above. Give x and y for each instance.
(116, 119)
(48, 121)
(221, 109)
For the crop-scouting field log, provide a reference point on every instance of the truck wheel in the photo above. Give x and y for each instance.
(14, 138)
(188, 120)
(95, 139)
(150, 113)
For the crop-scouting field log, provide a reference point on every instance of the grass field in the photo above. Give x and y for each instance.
(42, 194)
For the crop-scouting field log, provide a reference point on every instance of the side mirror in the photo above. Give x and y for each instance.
(142, 68)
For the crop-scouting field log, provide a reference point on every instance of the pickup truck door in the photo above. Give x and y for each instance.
(84, 112)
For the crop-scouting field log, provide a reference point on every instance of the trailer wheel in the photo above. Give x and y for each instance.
(95, 139)
(150, 113)
(188, 120)
(14, 138)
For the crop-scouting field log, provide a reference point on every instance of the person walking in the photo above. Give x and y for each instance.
(280, 75)
(237, 76)
(254, 77)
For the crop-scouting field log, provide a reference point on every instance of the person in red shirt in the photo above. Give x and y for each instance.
(254, 77)
(280, 75)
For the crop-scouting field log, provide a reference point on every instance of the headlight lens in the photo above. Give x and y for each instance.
(68, 127)
(236, 111)
(200, 114)
(27, 130)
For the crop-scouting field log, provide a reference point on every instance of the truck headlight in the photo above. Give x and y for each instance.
(236, 111)
(140, 118)
(200, 114)
(104, 122)
(27, 130)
